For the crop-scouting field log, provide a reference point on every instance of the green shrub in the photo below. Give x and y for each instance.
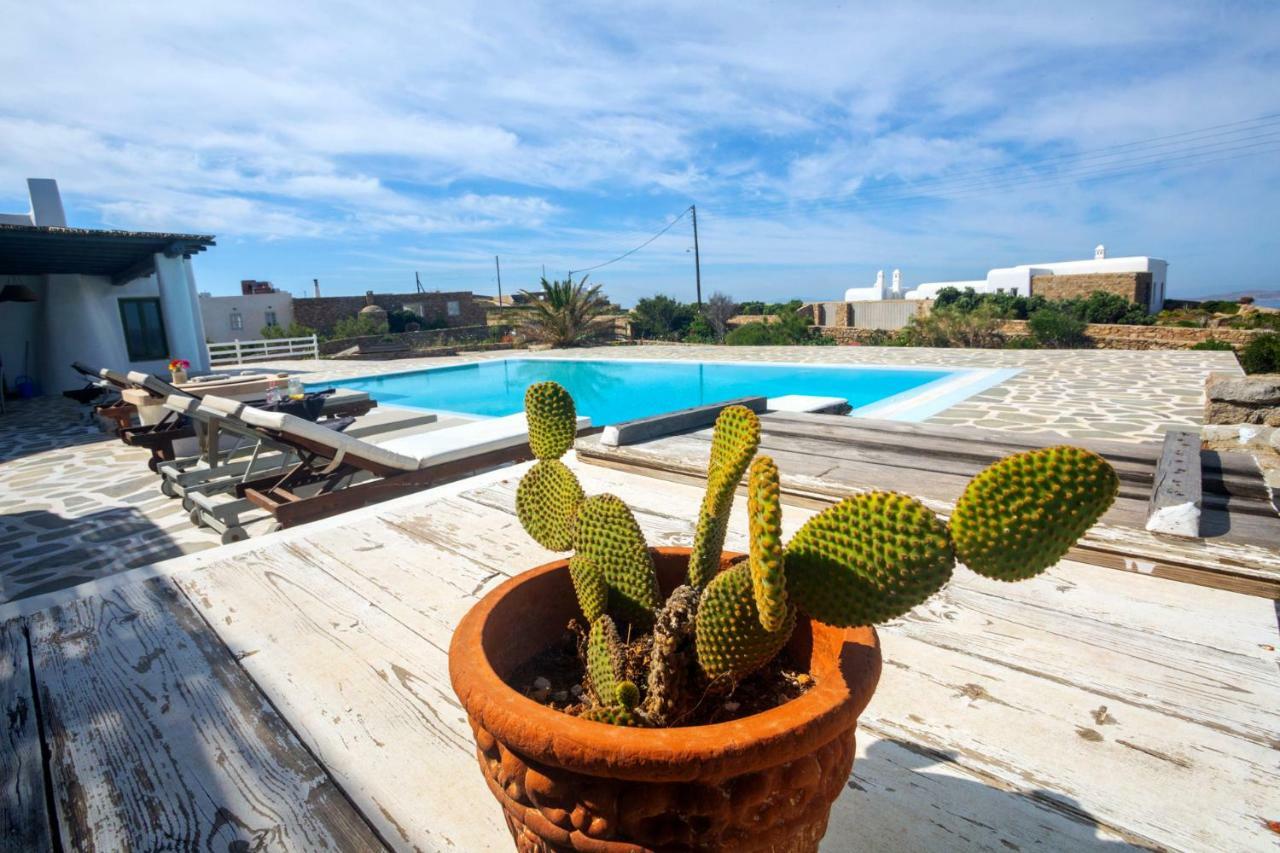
(293, 330)
(1257, 320)
(357, 326)
(1213, 344)
(779, 308)
(788, 330)
(662, 318)
(700, 331)
(952, 326)
(1262, 355)
(1220, 306)
(1056, 329)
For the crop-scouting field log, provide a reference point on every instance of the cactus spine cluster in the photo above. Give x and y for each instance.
(866, 560)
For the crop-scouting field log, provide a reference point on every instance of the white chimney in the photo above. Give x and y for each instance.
(1099, 252)
(46, 202)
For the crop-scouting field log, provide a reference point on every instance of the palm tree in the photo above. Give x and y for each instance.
(565, 313)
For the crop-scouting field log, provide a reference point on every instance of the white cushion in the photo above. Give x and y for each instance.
(154, 384)
(458, 442)
(804, 403)
(301, 428)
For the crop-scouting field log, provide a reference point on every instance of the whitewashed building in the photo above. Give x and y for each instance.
(120, 299)
(1021, 280)
(243, 317)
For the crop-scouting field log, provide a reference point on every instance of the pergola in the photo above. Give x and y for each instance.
(121, 256)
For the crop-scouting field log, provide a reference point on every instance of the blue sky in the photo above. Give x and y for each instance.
(357, 143)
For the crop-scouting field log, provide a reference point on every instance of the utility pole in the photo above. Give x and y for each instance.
(418, 281)
(497, 266)
(697, 262)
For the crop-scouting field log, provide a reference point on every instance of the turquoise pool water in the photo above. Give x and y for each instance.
(615, 390)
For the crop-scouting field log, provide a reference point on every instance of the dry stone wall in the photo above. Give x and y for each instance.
(1134, 286)
(321, 313)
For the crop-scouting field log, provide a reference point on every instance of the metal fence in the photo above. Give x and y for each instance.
(239, 352)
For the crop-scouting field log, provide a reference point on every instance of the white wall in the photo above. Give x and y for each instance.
(217, 311)
(80, 321)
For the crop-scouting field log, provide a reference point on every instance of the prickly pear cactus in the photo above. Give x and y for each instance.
(552, 419)
(730, 639)
(614, 715)
(764, 520)
(733, 443)
(627, 694)
(608, 536)
(546, 503)
(1023, 513)
(604, 660)
(868, 559)
(590, 587)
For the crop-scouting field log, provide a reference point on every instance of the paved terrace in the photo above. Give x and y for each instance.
(75, 505)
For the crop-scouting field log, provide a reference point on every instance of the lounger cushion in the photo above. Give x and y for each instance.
(288, 425)
(117, 379)
(154, 384)
(458, 442)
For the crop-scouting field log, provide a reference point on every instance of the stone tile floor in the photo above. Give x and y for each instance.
(76, 505)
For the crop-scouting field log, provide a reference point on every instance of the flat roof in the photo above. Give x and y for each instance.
(119, 255)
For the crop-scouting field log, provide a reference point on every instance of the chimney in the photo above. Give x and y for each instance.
(46, 202)
(315, 282)
(368, 297)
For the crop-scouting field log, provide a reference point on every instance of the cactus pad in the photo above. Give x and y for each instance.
(733, 443)
(730, 639)
(627, 694)
(546, 502)
(588, 583)
(553, 420)
(1023, 513)
(614, 715)
(604, 660)
(607, 535)
(868, 559)
(764, 519)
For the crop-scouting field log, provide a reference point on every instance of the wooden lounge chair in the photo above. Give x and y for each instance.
(336, 473)
(227, 453)
(160, 438)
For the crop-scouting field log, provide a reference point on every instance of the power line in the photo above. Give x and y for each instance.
(664, 230)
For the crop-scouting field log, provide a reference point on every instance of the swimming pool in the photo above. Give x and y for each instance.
(614, 390)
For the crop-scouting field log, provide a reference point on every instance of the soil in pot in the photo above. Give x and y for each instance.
(556, 677)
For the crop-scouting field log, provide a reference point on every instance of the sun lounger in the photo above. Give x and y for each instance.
(228, 453)
(336, 472)
(174, 427)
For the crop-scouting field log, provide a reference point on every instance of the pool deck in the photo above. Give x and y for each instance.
(76, 505)
(291, 693)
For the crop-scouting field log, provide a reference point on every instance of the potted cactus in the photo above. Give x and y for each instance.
(647, 756)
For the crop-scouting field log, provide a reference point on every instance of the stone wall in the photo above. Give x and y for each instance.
(1231, 399)
(1117, 336)
(321, 313)
(1134, 286)
(419, 340)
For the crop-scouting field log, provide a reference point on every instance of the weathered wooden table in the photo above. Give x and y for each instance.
(292, 693)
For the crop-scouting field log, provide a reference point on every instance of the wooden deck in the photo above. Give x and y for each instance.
(291, 692)
(823, 458)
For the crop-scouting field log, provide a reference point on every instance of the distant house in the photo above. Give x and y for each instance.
(243, 317)
(453, 308)
(1139, 279)
(120, 299)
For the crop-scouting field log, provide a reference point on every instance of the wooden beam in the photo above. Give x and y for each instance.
(643, 429)
(1177, 496)
(136, 270)
(24, 816)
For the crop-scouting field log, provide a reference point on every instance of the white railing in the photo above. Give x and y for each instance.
(239, 352)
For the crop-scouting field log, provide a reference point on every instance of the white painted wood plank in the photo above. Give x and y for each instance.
(158, 740)
(24, 818)
(346, 629)
(348, 634)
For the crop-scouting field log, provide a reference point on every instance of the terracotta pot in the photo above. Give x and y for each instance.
(764, 782)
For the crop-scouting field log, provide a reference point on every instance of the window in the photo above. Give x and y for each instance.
(271, 318)
(452, 308)
(237, 321)
(143, 329)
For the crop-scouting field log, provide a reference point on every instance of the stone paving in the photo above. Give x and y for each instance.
(76, 505)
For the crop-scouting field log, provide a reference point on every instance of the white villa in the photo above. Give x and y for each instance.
(1018, 279)
(125, 299)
